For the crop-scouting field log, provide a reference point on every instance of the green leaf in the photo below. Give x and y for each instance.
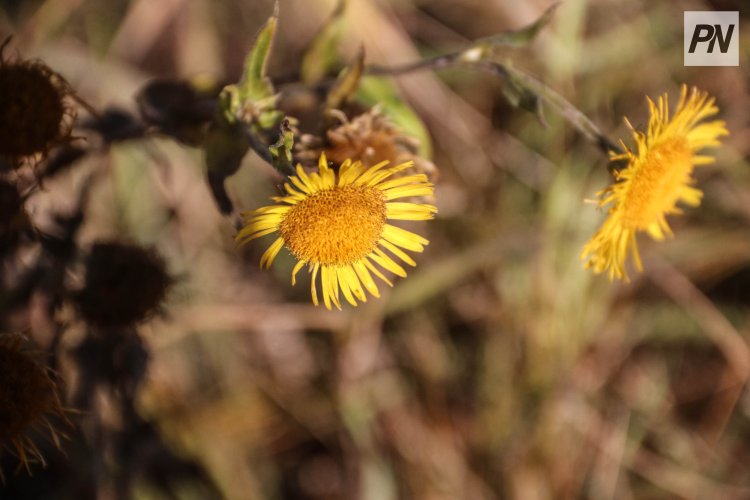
(518, 38)
(381, 91)
(520, 96)
(229, 105)
(225, 147)
(253, 100)
(254, 84)
(347, 83)
(281, 150)
(322, 57)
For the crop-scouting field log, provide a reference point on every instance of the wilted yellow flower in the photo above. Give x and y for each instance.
(336, 224)
(658, 175)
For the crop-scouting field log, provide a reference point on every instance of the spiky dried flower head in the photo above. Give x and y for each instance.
(337, 225)
(124, 284)
(36, 108)
(28, 398)
(658, 175)
(369, 138)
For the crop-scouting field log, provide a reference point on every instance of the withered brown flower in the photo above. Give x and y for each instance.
(124, 284)
(28, 398)
(36, 108)
(369, 137)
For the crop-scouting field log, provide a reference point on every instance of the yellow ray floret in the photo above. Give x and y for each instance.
(658, 175)
(337, 225)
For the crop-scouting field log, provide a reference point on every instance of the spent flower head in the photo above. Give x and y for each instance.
(658, 175)
(36, 109)
(124, 284)
(369, 137)
(337, 225)
(28, 398)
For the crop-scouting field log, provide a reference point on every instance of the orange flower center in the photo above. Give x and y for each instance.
(32, 109)
(657, 184)
(336, 227)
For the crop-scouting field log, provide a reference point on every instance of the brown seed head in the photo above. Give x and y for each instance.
(369, 137)
(124, 284)
(28, 396)
(36, 111)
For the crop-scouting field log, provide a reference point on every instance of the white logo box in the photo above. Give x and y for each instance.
(711, 38)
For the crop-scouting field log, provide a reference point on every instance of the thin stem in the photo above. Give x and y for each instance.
(432, 63)
(567, 110)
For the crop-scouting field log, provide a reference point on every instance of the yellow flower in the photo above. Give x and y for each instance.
(658, 175)
(336, 224)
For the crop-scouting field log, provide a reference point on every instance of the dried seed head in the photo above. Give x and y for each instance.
(28, 397)
(368, 138)
(124, 284)
(36, 109)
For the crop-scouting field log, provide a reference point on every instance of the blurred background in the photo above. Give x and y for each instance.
(499, 368)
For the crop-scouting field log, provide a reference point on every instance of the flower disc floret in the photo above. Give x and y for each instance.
(338, 226)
